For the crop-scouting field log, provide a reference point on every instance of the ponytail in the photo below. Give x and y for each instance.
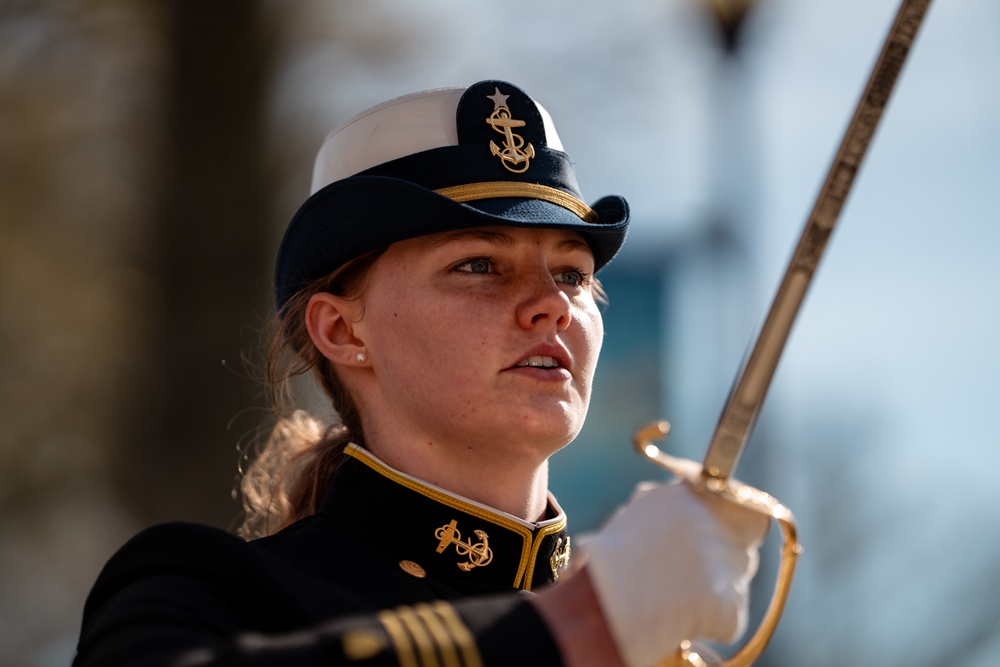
(291, 474)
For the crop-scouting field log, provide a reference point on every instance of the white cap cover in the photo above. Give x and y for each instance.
(397, 128)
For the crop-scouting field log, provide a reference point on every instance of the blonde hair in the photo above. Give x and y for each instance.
(292, 471)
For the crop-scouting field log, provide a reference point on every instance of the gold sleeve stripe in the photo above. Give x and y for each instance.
(445, 642)
(499, 189)
(400, 639)
(425, 645)
(463, 638)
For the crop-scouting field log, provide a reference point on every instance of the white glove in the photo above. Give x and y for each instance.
(673, 564)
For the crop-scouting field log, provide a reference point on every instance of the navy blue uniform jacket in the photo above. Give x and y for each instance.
(389, 571)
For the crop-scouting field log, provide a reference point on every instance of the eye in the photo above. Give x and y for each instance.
(572, 277)
(480, 265)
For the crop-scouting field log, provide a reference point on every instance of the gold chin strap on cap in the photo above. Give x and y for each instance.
(501, 189)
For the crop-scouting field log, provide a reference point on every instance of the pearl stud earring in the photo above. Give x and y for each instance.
(361, 357)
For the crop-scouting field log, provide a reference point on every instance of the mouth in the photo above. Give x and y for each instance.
(546, 360)
(539, 361)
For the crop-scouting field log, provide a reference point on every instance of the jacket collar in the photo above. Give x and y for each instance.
(441, 534)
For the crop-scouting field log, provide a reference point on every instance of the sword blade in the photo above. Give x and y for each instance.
(754, 378)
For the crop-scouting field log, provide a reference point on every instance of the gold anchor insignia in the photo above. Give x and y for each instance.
(514, 151)
(560, 557)
(479, 554)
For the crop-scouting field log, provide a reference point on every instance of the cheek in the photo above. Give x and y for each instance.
(590, 339)
(418, 338)
(594, 330)
(390, 322)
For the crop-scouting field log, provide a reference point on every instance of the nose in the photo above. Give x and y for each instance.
(544, 303)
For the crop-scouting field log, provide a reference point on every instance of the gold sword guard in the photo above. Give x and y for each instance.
(689, 654)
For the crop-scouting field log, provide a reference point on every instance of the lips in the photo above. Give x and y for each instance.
(545, 356)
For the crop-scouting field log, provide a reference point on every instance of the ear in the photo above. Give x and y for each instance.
(330, 320)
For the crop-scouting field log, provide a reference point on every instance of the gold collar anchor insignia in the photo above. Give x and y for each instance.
(515, 155)
(479, 554)
(560, 557)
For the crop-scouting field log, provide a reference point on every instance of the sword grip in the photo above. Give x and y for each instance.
(688, 653)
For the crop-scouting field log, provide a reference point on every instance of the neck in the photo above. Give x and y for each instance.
(500, 477)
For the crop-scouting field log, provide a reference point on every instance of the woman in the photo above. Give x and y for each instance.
(439, 283)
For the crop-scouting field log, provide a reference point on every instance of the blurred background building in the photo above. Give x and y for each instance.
(151, 153)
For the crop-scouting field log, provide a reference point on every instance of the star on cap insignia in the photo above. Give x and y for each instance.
(499, 99)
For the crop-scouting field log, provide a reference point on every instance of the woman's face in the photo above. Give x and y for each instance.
(481, 336)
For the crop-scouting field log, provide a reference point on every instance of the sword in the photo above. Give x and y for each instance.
(747, 395)
(739, 415)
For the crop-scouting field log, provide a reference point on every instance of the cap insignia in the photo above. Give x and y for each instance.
(479, 554)
(515, 154)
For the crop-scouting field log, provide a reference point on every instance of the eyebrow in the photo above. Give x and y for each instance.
(502, 240)
(498, 239)
(574, 244)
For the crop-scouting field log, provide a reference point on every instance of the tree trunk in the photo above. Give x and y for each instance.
(208, 255)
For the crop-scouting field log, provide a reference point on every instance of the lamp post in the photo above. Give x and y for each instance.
(730, 16)
(711, 278)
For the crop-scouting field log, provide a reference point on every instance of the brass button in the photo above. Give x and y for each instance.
(362, 645)
(412, 569)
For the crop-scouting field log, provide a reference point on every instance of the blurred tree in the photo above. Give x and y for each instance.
(79, 112)
(208, 249)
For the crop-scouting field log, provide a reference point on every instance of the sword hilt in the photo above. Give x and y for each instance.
(733, 491)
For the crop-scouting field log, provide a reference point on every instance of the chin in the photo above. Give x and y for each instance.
(551, 433)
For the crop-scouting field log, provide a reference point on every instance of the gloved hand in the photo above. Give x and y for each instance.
(673, 564)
